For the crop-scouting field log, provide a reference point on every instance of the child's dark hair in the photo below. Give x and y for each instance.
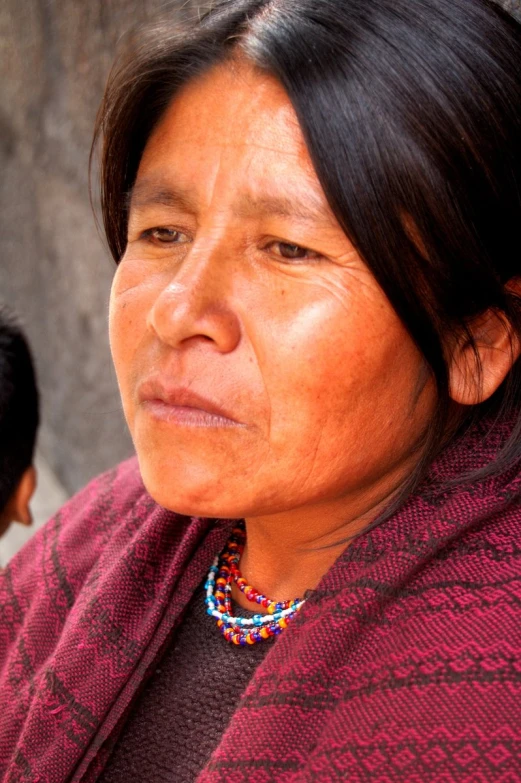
(19, 406)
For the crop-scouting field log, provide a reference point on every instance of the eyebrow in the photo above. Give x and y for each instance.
(145, 194)
(281, 206)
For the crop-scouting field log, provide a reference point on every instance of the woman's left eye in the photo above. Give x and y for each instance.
(164, 236)
(291, 252)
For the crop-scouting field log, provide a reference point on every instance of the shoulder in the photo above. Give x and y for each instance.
(62, 554)
(464, 576)
(118, 488)
(428, 631)
(95, 512)
(111, 533)
(481, 556)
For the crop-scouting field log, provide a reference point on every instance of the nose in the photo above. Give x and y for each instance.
(196, 306)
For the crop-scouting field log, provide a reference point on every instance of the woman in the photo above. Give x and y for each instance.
(315, 324)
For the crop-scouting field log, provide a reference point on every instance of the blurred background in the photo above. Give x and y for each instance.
(55, 270)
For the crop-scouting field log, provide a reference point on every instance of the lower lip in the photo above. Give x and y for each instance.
(185, 416)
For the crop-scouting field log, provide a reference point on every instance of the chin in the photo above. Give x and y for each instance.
(179, 490)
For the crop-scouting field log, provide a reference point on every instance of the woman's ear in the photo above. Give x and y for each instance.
(477, 370)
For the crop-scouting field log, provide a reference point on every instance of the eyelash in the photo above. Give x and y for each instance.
(307, 254)
(310, 255)
(149, 235)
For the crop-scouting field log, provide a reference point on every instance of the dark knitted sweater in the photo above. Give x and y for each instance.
(182, 713)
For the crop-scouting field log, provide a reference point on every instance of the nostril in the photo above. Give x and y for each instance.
(199, 338)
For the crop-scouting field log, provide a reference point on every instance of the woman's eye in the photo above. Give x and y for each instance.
(164, 236)
(293, 252)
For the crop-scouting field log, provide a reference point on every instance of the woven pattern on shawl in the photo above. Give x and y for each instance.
(405, 665)
(79, 607)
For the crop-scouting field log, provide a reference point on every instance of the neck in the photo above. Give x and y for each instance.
(288, 553)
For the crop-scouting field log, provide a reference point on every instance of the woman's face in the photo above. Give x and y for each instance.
(260, 365)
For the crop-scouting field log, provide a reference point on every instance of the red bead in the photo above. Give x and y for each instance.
(228, 573)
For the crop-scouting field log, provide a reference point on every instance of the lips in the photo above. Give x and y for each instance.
(166, 398)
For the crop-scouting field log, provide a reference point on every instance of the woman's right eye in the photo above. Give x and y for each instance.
(162, 235)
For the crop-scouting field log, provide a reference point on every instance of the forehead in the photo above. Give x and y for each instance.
(232, 122)
(237, 104)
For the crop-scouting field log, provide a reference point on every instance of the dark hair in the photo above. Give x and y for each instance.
(19, 406)
(411, 113)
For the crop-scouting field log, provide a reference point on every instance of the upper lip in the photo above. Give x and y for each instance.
(165, 391)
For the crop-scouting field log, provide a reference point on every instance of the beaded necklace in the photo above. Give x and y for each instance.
(222, 574)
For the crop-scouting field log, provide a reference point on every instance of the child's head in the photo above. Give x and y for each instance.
(19, 418)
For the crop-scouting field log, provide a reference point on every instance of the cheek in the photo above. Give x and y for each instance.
(128, 309)
(119, 322)
(328, 351)
(343, 381)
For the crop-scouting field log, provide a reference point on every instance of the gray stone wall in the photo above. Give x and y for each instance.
(54, 269)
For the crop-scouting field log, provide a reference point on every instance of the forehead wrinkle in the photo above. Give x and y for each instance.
(152, 192)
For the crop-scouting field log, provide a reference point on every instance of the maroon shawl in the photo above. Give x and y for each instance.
(404, 665)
